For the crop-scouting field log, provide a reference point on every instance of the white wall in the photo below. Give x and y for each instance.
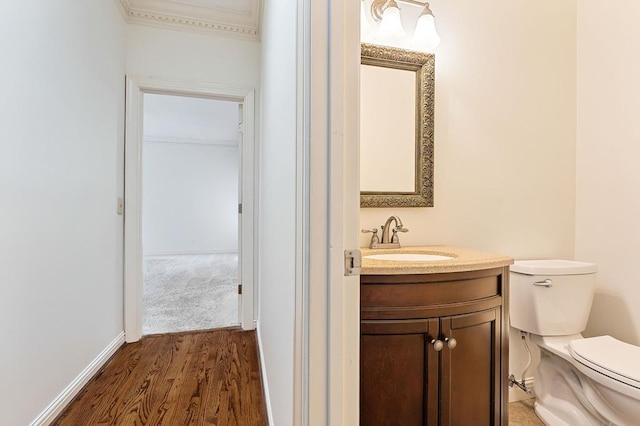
(504, 131)
(190, 198)
(278, 205)
(190, 175)
(608, 181)
(61, 168)
(203, 58)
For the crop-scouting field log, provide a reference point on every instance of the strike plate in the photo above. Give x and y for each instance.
(352, 263)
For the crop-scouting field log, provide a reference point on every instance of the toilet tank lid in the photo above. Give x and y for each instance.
(553, 267)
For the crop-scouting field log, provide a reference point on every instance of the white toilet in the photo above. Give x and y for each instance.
(579, 381)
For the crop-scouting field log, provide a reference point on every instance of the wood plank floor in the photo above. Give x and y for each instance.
(193, 378)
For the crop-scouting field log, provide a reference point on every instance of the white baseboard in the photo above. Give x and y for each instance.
(187, 252)
(517, 394)
(265, 384)
(60, 403)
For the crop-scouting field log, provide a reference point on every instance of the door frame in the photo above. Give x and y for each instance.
(329, 305)
(136, 87)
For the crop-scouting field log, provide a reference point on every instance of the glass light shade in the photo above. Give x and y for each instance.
(391, 32)
(426, 37)
(366, 29)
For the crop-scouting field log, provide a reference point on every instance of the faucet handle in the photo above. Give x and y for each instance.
(374, 238)
(394, 237)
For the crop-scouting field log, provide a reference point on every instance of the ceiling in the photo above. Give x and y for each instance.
(235, 18)
(209, 121)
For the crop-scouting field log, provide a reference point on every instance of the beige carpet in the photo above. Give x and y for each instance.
(189, 292)
(521, 414)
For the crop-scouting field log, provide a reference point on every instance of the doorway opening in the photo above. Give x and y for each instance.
(190, 221)
(176, 230)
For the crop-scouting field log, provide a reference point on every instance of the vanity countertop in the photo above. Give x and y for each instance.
(463, 260)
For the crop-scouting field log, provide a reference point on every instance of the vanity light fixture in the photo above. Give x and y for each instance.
(425, 37)
(390, 32)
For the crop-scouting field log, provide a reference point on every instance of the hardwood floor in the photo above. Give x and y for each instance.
(193, 378)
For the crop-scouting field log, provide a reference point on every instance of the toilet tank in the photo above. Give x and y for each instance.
(551, 297)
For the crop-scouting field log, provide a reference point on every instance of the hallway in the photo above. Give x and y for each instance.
(199, 378)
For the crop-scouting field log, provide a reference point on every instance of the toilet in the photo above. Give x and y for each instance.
(579, 381)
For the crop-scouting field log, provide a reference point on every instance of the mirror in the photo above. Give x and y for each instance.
(396, 127)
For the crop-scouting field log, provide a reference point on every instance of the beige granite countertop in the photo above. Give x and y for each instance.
(463, 260)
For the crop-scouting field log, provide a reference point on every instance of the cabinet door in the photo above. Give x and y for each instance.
(398, 372)
(470, 372)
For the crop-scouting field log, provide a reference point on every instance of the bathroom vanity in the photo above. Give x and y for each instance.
(433, 337)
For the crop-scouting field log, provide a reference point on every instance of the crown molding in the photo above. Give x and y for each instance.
(184, 22)
(155, 19)
(123, 7)
(216, 143)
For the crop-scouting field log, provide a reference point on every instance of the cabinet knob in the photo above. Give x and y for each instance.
(437, 345)
(452, 343)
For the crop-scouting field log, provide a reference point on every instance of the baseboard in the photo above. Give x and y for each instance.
(187, 252)
(517, 394)
(59, 404)
(265, 383)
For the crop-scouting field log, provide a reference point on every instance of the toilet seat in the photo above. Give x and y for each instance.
(609, 356)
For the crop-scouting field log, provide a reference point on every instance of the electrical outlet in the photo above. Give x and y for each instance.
(120, 206)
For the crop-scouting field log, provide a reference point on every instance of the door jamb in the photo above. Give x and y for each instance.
(136, 87)
(330, 301)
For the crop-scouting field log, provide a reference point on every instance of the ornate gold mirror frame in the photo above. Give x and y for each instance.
(423, 64)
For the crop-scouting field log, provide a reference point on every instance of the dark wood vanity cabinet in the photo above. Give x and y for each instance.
(434, 349)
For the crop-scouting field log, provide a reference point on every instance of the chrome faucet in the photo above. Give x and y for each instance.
(385, 242)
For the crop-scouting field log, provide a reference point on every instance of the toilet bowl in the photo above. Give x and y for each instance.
(579, 381)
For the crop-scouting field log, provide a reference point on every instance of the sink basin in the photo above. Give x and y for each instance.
(408, 257)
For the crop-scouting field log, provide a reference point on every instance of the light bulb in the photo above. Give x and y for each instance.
(391, 32)
(366, 30)
(426, 37)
